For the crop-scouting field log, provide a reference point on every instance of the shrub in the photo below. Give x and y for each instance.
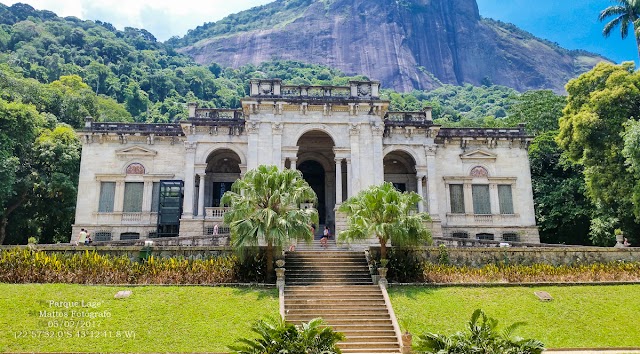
(29, 266)
(513, 273)
(277, 336)
(482, 338)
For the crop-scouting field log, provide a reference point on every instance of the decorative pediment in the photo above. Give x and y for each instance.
(478, 155)
(136, 151)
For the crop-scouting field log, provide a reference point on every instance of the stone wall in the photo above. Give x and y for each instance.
(477, 257)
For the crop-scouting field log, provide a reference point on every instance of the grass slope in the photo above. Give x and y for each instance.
(578, 317)
(177, 319)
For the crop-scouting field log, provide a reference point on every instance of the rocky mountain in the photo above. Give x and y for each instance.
(407, 44)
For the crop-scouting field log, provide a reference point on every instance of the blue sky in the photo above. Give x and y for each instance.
(573, 24)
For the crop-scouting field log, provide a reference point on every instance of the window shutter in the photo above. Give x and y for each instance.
(506, 199)
(456, 192)
(133, 197)
(481, 199)
(107, 195)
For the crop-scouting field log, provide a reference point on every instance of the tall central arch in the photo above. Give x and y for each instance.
(316, 162)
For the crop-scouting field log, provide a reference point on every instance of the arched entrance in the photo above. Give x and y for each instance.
(316, 161)
(400, 169)
(223, 168)
(313, 173)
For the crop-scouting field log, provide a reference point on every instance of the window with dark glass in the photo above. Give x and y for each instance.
(155, 197)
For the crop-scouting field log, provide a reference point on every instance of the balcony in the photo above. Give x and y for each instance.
(483, 219)
(215, 213)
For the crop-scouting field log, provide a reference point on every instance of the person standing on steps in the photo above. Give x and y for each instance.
(324, 241)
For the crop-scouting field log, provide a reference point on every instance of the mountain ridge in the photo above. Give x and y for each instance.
(407, 44)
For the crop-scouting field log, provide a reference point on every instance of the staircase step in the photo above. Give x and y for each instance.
(370, 350)
(342, 319)
(324, 312)
(370, 345)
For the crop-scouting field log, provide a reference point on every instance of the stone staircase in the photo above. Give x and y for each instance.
(336, 286)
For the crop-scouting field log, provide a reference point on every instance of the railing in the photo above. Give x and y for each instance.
(215, 212)
(407, 118)
(482, 219)
(215, 114)
(131, 217)
(142, 128)
(482, 133)
(316, 91)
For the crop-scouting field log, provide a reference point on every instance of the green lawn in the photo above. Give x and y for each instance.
(579, 316)
(153, 319)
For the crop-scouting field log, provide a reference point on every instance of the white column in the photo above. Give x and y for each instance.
(354, 175)
(378, 165)
(293, 163)
(252, 145)
(201, 195)
(494, 199)
(147, 196)
(420, 193)
(118, 198)
(432, 186)
(338, 181)
(276, 133)
(349, 178)
(189, 179)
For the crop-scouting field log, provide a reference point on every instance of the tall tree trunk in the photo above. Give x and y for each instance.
(5, 216)
(269, 261)
(3, 228)
(383, 248)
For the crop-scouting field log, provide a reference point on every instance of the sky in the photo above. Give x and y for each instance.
(573, 24)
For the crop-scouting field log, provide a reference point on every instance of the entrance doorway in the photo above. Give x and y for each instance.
(316, 161)
(313, 173)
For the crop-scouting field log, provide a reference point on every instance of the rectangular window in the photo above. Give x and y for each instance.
(456, 192)
(133, 192)
(505, 198)
(155, 197)
(107, 195)
(481, 199)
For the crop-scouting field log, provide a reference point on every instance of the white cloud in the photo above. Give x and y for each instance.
(163, 18)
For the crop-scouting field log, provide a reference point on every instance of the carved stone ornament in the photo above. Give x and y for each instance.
(253, 127)
(190, 145)
(431, 150)
(354, 128)
(364, 90)
(266, 89)
(135, 169)
(479, 171)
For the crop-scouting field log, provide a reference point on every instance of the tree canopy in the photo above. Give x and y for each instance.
(387, 214)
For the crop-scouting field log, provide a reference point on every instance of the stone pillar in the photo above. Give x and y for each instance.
(252, 145)
(494, 199)
(432, 185)
(420, 193)
(349, 178)
(118, 198)
(189, 179)
(293, 160)
(276, 133)
(354, 173)
(201, 195)
(338, 181)
(147, 196)
(378, 165)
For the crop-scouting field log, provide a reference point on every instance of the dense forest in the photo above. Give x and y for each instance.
(56, 71)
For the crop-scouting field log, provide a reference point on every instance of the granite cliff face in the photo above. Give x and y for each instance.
(406, 44)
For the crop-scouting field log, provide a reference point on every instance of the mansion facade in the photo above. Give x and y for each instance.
(141, 180)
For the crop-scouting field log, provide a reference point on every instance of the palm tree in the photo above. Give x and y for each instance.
(386, 213)
(264, 205)
(626, 12)
(483, 338)
(277, 336)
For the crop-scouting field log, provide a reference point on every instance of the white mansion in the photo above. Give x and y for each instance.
(156, 180)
